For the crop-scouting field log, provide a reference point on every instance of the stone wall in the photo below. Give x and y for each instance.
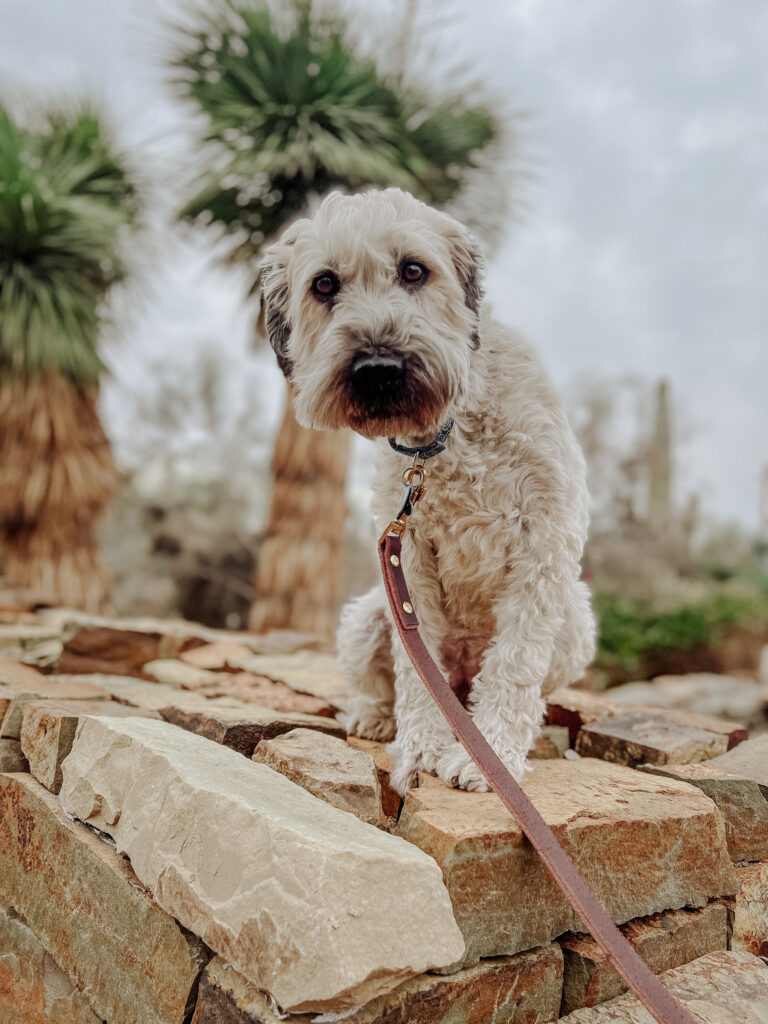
(188, 836)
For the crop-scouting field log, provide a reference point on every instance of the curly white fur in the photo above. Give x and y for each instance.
(492, 551)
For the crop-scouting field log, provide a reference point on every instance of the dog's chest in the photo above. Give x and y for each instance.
(469, 545)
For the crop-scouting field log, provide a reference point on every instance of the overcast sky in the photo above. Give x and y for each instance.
(644, 249)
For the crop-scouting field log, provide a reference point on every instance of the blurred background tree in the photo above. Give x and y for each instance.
(65, 199)
(292, 108)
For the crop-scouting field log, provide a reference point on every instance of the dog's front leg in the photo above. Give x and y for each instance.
(506, 702)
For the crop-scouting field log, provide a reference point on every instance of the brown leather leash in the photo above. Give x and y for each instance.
(658, 1000)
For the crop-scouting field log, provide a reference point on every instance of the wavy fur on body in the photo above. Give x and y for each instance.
(492, 553)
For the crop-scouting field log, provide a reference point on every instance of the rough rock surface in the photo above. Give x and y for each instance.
(750, 918)
(639, 737)
(13, 673)
(33, 644)
(48, 729)
(253, 689)
(577, 708)
(131, 960)
(719, 988)
(523, 989)
(33, 988)
(749, 759)
(310, 904)
(391, 801)
(645, 844)
(13, 697)
(243, 728)
(740, 801)
(150, 696)
(328, 768)
(178, 674)
(245, 686)
(663, 941)
(113, 649)
(713, 694)
(11, 757)
(313, 673)
(218, 657)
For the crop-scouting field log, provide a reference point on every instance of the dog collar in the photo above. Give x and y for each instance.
(426, 451)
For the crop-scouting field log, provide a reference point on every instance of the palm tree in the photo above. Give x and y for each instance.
(291, 111)
(64, 200)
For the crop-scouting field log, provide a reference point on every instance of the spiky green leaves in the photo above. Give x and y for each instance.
(294, 112)
(64, 201)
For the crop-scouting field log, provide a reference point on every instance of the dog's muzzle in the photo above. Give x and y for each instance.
(376, 378)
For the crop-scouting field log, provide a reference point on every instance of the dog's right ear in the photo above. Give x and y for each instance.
(274, 296)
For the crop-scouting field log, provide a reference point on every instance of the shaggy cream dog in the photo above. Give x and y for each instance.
(374, 309)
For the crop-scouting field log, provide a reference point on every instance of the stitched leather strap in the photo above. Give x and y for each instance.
(643, 982)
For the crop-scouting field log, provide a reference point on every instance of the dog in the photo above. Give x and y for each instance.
(374, 308)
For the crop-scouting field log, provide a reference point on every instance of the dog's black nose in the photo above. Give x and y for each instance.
(377, 375)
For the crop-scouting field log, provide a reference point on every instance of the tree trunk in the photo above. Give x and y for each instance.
(56, 476)
(300, 569)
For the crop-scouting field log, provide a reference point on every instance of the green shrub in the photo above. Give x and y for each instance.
(631, 627)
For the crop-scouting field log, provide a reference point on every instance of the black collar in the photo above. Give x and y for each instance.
(426, 451)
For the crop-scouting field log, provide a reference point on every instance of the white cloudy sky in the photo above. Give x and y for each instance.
(645, 249)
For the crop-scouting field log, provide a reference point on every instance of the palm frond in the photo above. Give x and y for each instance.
(293, 113)
(64, 202)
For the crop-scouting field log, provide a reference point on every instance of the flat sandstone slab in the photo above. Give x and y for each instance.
(719, 988)
(310, 904)
(640, 737)
(749, 759)
(307, 671)
(131, 960)
(522, 989)
(242, 729)
(663, 941)
(739, 799)
(329, 769)
(644, 844)
(14, 694)
(150, 696)
(33, 988)
(577, 708)
(48, 729)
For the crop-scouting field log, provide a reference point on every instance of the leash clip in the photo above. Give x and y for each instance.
(413, 492)
(413, 488)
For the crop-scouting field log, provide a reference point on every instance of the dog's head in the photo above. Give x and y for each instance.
(372, 309)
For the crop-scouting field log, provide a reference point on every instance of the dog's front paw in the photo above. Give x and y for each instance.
(408, 760)
(405, 770)
(369, 721)
(457, 768)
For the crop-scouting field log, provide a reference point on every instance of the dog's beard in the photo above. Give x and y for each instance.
(326, 397)
(418, 407)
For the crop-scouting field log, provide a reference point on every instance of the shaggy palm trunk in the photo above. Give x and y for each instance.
(56, 476)
(299, 575)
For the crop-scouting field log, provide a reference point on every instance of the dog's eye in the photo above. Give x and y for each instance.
(325, 286)
(412, 272)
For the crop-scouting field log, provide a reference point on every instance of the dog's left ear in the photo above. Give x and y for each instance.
(274, 296)
(469, 264)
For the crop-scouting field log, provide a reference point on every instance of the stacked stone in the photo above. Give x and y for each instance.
(186, 835)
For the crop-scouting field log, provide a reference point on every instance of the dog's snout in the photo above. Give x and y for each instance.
(375, 375)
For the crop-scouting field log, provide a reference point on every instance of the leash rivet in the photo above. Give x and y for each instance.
(407, 607)
(394, 560)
